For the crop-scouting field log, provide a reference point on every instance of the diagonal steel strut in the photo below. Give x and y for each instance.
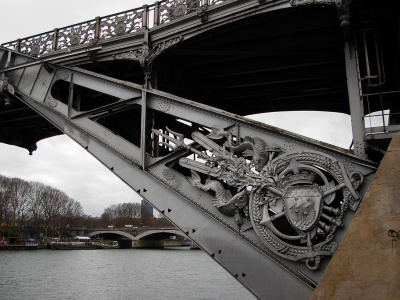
(196, 173)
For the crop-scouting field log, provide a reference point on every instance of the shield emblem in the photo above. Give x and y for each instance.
(303, 206)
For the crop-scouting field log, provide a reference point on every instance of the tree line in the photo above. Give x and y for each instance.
(33, 209)
(35, 206)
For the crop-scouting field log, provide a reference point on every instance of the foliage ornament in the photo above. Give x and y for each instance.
(75, 36)
(175, 9)
(295, 201)
(146, 55)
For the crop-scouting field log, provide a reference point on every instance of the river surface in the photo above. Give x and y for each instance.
(115, 274)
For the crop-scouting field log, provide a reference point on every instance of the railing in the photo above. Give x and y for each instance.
(91, 32)
(379, 120)
(140, 227)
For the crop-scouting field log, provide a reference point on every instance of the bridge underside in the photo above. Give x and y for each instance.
(160, 238)
(258, 64)
(268, 205)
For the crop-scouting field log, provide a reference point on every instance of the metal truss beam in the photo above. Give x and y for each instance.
(224, 180)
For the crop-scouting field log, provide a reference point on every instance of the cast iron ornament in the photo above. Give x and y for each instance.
(295, 201)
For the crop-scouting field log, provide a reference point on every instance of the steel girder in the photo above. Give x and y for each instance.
(269, 206)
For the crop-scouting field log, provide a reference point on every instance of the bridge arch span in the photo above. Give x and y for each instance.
(117, 232)
(151, 232)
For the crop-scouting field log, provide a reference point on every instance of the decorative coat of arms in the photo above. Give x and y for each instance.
(295, 202)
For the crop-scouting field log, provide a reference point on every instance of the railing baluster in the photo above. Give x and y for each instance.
(145, 16)
(97, 29)
(156, 13)
(55, 40)
(18, 45)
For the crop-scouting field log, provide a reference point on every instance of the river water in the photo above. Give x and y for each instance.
(115, 274)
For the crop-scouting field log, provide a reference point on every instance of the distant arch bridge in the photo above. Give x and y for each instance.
(143, 237)
(136, 235)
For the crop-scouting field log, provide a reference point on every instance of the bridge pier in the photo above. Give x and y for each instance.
(365, 265)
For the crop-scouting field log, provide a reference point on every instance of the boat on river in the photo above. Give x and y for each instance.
(78, 243)
(31, 244)
(106, 245)
(13, 246)
(19, 246)
(113, 245)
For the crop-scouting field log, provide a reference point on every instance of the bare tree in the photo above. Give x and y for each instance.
(131, 210)
(36, 197)
(120, 214)
(69, 210)
(37, 203)
(5, 191)
(19, 196)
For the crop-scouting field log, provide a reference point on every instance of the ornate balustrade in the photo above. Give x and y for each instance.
(120, 24)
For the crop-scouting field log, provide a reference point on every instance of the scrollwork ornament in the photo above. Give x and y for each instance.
(178, 11)
(202, 13)
(174, 9)
(37, 45)
(120, 29)
(342, 7)
(35, 50)
(75, 36)
(216, 2)
(75, 40)
(295, 202)
(146, 55)
(122, 24)
(143, 56)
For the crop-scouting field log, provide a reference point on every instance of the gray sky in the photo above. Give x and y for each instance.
(63, 164)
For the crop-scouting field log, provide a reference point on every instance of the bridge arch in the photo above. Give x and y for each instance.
(151, 232)
(117, 232)
(139, 236)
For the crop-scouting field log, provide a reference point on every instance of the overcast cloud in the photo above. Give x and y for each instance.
(63, 164)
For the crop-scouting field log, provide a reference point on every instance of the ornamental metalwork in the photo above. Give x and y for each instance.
(37, 45)
(308, 2)
(114, 25)
(202, 13)
(76, 35)
(121, 24)
(342, 7)
(146, 55)
(216, 2)
(174, 9)
(294, 201)
(6, 89)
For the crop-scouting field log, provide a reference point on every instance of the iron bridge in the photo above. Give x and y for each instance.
(159, 95)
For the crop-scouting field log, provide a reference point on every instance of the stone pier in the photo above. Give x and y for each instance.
(366, 265)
